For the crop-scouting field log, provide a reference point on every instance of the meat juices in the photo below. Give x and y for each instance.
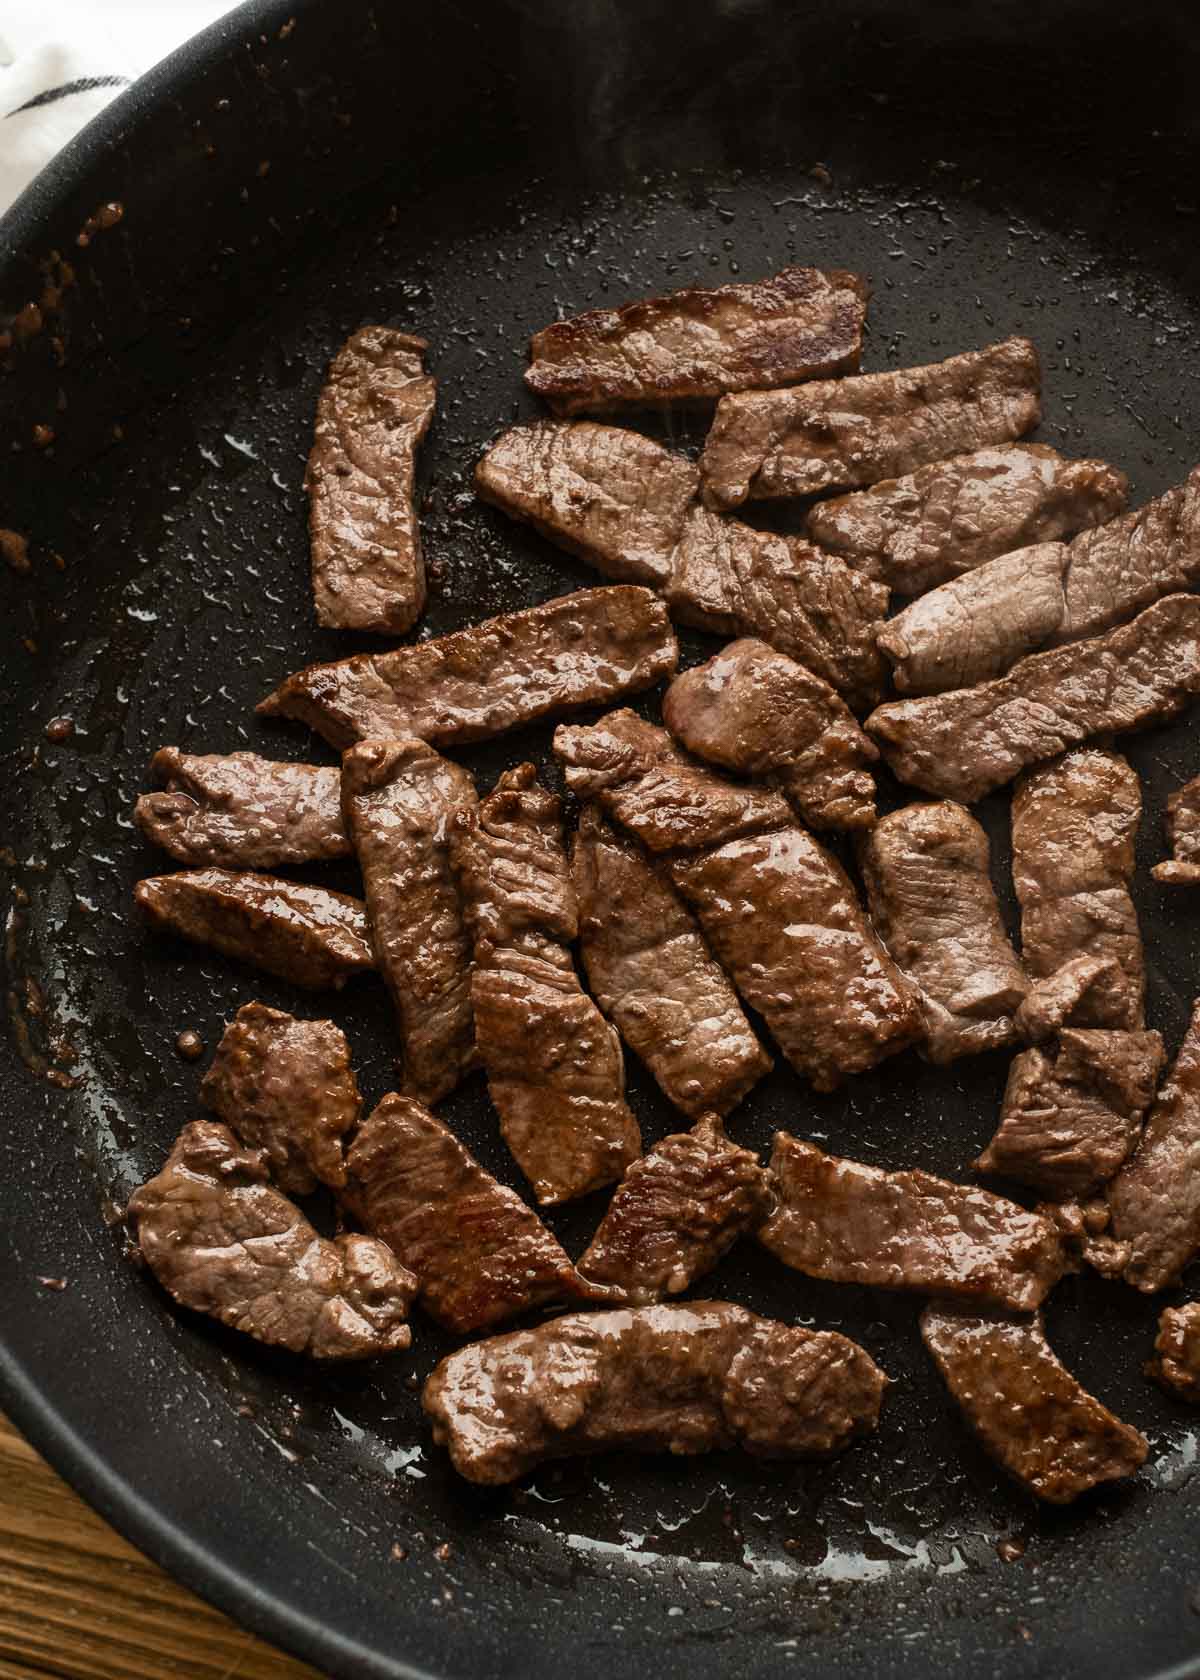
(222, 1240)
(375, 407)
(851, 1223)
(308, 935)
(680, 1379)
(929, 888)
(652, 974)
(286, 1087)
(240, 811)
(915, 532)
(1028, 1410)
(693, 344)
(479, 1253)
(847, 432)
(754, 711)
(554, 1065)
(399, 798)
(1177, 1365)
(971, 741)
(1183, 835)
(582, 649)
(676, 1212)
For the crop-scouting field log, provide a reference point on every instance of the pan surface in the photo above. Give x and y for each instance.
(467, 172)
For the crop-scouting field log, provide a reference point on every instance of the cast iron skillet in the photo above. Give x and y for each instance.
(465, 171)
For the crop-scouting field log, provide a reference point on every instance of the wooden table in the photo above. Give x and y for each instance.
(79, 1603)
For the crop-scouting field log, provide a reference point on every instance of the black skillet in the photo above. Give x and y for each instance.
(467, 170)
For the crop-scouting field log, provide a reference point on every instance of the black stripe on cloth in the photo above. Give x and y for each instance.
(85, 84)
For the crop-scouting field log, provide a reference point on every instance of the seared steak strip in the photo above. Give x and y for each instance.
(1051, 1003)
(1177, 1365)
(1027, 1409)
(676, 1212)
(579, 650)
(930, 894)
(399, 798)
(852, 1223)
(693, 344)
(554, 1065)
(1183, 834)
(376, 405)
(846, 432)
(757, 712)
(915, 532)
(679, 1379)
(222, 1240)
(651, 973)
(309, 935)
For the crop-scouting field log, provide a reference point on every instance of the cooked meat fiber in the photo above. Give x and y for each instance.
(676, 1212)
(1052, 1002)
(309, 935)
(754, 711)
(915, 532)
(286, 1087)
(1027, 1409)
(971, 741)
(579, 650)
(693, 344)
(222, 1240)
(239, 811)
(1177, 1365)
(852, 1223)
(652, 974)
(1183, 833)
(929, 889)
(687, 1379)
(554, 1065)
(399, 798)
(367, 569)
(479, 1254)
(847, 432)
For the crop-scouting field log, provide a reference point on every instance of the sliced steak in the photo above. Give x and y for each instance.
(755, 711)
(376, 405)
(399, 798)
(693, 344)
(222, 1240)
(927, 872)
(309, 935)
(479, 1254)
(1028, 1410)
(240, 811)
(847, 432)
(286, 1087)
(579, 650)
(554, 1065)
(1053, 1002)
(680, 1379)
(1177, 1365)
(971, 741)
(676, 1212)
(653, 976)
(1183, 835)
(852, 1223)
(915, 532)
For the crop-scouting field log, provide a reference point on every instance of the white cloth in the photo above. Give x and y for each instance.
(61, 61)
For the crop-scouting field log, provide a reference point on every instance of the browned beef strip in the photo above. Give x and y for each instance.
(479, 1254)
(554, 1065)
(309, 935)
(652, 974)
(852, 1223)
(376, 405)
(847, 432)
(693, 344)
(286, 1087)
(951, 516)
(755, 711)
(676, 1212)
(971, 741)
(582, 649)
(1183, 835)
(399, 798)
(1028, 1410)
(1053, 1001)
(1177, 1365)
(929, 889)
(222, 1240)
(681, 1379)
